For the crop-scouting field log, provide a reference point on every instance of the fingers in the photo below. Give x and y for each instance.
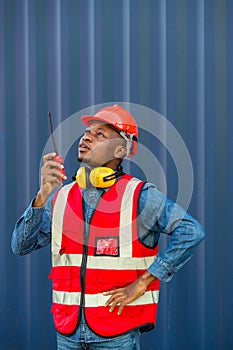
(51, 179)
(123, 296)
(119, 298)
(51, 159)
(121, 307)
(48, 157)
(52, 173)
(121, 302)
(116, 294)
(114, 291)
(54, 163)
(53, 166)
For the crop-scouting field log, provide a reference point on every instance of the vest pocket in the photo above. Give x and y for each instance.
(112, 279)
(65, 317)
(61, 278)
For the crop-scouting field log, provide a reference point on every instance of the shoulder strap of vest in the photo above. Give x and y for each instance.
(59, 206)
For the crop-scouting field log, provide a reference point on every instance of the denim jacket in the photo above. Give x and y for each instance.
(157, 214)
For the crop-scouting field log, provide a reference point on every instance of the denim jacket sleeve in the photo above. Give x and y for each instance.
(33, 229)
(158, 215)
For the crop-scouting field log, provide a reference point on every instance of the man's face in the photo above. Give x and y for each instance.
(98, 144)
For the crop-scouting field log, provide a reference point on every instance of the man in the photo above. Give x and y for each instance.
(104, 237)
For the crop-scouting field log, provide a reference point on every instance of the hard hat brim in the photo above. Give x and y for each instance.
(87, 119)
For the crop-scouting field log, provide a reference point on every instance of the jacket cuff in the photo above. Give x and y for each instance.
(161, 270)
(34, 212)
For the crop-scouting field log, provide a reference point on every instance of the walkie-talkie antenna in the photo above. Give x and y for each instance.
(51, 132)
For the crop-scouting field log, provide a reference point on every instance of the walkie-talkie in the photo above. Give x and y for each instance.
(57, 158)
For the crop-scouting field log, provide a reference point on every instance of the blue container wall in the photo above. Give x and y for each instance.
(174, 56)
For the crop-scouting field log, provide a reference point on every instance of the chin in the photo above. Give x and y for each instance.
(82, 159)
(81, 156)
(85, 160)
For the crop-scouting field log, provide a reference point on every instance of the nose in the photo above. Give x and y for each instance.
(87, 137)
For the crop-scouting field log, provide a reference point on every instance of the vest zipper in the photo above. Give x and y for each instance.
(84, 261)
(82, 275)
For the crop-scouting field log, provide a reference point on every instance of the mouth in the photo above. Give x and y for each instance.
(83, 147)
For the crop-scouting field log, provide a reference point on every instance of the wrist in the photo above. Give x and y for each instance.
(147, 278)
(38, 201)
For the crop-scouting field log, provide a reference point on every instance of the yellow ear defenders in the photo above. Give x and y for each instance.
(101, 177)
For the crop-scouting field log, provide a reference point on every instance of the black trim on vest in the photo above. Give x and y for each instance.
(138, 215)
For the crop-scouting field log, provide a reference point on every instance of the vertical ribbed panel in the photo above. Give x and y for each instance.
(174, 56)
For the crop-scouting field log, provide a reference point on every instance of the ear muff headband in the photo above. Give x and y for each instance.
(101, 177)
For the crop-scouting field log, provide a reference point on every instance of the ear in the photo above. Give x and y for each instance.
(120, 152)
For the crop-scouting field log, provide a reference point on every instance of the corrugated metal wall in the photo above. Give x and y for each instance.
(174, 56)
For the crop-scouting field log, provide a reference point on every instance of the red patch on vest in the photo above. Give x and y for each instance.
(107, 246)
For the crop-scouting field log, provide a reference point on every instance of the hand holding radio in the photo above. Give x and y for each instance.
(59, 159)
(52, 173)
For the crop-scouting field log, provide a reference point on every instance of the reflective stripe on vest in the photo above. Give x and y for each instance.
(92, 300)
(108, 263)
(125, 240)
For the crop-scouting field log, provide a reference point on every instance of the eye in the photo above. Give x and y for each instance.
(99, 134)
(86, 132)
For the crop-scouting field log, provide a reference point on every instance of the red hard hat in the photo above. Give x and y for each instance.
(120, 119)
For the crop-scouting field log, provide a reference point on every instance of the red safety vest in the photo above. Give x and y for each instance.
(112, 257)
